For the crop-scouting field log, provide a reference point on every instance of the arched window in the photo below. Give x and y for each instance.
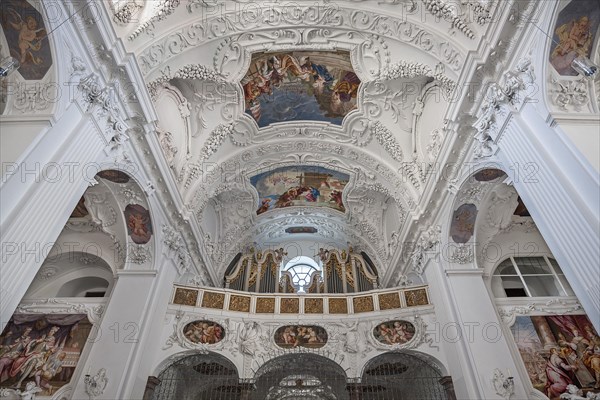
(530, 277)
(302, 269)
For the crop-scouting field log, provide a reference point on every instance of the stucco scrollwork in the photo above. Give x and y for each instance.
(94, 311)
(557, 306)
(499, 101)
(328, 27)
(570, 95)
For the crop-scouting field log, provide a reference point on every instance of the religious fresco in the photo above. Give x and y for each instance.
(139, 225)
(204, 332)
(574, 34)
(44, 349)
(559, 351)
(114, 176)
(300, 186)
(300, 85)
(300, 229)
(394, 332)
(25, 33)
(486, 175)
(292, 336)
(463, 223)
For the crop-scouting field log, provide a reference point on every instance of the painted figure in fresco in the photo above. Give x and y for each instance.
(557, 374)
(139, 225)
(14, 351)
(396, 333)
(573, 353)
(336, 197)
(203, 332)
(37, 355)
(332, 93)
(264, 205)
(591, 357)
(575, 39)
(29, 36)
(300, 336)
(49, 370)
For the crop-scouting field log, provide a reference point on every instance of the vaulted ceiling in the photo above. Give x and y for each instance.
(391, 136)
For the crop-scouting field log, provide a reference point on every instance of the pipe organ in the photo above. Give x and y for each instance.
(342, 271)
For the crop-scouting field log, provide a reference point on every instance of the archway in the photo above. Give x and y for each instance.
(399, 376)
(199, 377)
(300, 376)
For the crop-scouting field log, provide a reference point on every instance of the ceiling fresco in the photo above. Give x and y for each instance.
(300, 186)
(300, 85)
(25, 33)
(574, 34)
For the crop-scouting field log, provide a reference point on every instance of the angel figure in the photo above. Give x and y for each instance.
(30, 36)
(575, 39)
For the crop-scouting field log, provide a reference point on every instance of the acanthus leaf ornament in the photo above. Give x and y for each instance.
(570, 95)
(498, 104)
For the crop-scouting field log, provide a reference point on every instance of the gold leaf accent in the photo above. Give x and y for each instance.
(338, 305)
(363, 304)
(313, 306)
(185, 297)
(213, 300)
(290, 306)
(417, 297)
(389, 301)
(239, 303)
(265, 305)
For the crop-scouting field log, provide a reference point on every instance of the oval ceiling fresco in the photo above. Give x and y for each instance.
(204, 332)
(291, 336)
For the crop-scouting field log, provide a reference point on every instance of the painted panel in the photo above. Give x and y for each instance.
(25, 33)
(44, 349)
(559, 351)
(394, 332)
(300, 85)
(300, 229)
(292, 336)
(114, 176)
(574, 34)
(139, 225)
(205, 332)
(489, 174)
(463, 223)
(300, 186)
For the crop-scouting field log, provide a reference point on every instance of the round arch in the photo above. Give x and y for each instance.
(300, 376)
(404, 375)
(198, 376)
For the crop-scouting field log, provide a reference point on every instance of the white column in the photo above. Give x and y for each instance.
(115, 344)
(562, 193)
(470, 333)
(38, 199)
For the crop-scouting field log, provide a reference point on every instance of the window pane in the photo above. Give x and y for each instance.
(513, 287)
(542, 286)
(566, 285)
(505, 268)
(532, 265)
(555, 265)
